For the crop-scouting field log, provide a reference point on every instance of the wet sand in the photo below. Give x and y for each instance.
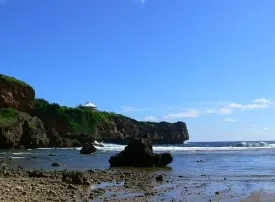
(124, 185)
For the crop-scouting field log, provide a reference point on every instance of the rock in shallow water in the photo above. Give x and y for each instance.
(56, 164)
(88, 149)
(139, 153)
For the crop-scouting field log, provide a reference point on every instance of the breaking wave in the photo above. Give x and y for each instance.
(255, 144)
(191, 146)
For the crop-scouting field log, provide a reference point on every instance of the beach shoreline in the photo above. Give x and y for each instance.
(18, 184)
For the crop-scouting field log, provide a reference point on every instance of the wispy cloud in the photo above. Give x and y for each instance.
(150, 118)
(186, 114)
(230, 120)
(266, 128)
(259, 103)
(221, 111)
(195, 110)
(137, 1)
(225, 111)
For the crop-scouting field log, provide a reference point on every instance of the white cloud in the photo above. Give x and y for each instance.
(187, 114)
(230, 120)
(137, 1)
(259, 103)
(225, 111)
(266, 128)
(150, 118)
(262, 100)
(235, 105)
(221, 111)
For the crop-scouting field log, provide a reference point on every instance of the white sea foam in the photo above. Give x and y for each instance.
(239, 146)
(20, 153)
(16, 157)
(260, 145)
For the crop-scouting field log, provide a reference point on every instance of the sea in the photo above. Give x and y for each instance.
(245, 164)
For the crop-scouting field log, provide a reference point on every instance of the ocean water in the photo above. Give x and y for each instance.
(235, 159)
(242, 167)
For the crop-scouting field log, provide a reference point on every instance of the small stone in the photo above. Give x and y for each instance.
(87, 183)
(70, 186)
(217, 193)
(52, 192)
(159, 178)
(19, 188)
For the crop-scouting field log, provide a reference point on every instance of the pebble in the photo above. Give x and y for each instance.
(19, 188)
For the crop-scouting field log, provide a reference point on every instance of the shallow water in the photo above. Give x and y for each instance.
(207, 167)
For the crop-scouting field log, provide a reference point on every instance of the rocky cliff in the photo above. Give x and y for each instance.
(19, 129)
(36, 122)
(15, 93)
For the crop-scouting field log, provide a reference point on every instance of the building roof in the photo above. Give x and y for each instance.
(89, 104)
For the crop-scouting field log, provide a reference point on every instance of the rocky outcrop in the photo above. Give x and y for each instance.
(77, 126)
(124, 129)
(19, 129)
(49, 124)
(139, 153)
(15, 94)
(88, 148)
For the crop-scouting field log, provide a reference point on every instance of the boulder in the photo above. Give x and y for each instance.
(139, 153)
(74, 177)
(88, 149)
(56, 164)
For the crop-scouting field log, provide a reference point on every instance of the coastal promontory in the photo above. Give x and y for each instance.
(30, 122)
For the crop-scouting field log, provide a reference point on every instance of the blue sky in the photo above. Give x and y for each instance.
(208, 63)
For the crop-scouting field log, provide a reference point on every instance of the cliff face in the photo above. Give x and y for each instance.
(47, 124)
(19, 129)
(124, 129)
(15, 94)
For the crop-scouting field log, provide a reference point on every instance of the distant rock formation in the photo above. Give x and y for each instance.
(139, 153)
(36, 122)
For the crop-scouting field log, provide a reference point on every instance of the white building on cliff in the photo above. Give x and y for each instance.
(89, 105)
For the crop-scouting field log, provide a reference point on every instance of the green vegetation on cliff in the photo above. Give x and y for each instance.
(76, 119)
(13, 80)
(7, 116)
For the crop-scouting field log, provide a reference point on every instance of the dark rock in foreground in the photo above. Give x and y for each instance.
(139, 153)
(74, 177)
(88, 149)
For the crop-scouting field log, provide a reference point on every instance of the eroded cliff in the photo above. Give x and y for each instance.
(15, 94)
(49, 124)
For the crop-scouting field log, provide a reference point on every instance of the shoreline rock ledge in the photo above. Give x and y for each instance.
(139, 153)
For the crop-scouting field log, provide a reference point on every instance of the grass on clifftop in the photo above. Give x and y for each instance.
(78, 119)
(7, 116)
(14, 80)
